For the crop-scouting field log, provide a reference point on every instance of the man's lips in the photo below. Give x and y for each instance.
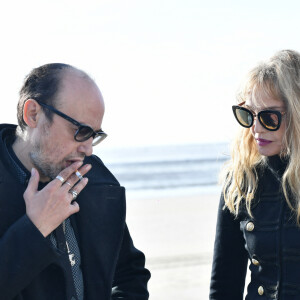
(71, 161)
(263, 142)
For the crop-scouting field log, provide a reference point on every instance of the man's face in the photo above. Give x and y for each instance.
(53, 145)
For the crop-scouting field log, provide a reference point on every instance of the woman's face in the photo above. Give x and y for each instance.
(268, 142)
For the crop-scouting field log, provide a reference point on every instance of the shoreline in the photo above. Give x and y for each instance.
(176, 233)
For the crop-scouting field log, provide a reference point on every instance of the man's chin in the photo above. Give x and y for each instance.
(48, 174)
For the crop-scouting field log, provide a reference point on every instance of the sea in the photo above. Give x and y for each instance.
(167, 170)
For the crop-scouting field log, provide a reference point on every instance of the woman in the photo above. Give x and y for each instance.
(259, 212)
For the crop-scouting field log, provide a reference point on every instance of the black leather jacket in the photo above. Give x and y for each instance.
(270, 241)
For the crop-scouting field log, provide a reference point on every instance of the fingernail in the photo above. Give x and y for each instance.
(32, 171)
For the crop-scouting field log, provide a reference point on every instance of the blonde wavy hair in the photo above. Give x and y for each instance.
(279, 77)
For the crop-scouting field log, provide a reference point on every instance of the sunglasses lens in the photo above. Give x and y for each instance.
(99, 138)
(269, 120)
(84, 133)
(243, 116)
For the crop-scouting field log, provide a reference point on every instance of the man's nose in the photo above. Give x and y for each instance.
(86, 147)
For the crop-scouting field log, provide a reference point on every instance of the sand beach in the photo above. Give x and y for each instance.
(176, 234)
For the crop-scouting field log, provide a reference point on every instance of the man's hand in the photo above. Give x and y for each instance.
(48, 208)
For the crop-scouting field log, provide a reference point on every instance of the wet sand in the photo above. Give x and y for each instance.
(177, 235)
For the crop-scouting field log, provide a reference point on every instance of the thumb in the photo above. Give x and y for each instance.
(33, 183)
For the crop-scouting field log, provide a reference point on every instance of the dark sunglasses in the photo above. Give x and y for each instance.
(269, 119)
(84, 132)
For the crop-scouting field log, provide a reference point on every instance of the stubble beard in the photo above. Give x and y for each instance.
(45, 167)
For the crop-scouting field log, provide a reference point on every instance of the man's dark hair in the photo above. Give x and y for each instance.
(41, 84)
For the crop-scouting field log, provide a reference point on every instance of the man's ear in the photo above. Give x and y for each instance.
(31, 112)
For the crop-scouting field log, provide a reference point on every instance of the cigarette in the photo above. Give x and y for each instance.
(78, 174)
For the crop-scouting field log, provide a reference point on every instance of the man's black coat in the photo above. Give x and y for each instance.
(31, 268)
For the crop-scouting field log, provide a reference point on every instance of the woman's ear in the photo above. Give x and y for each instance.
(31, 112)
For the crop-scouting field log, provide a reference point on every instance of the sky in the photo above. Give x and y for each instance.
(168, 69)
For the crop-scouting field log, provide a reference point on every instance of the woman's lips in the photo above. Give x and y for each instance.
(262, 142)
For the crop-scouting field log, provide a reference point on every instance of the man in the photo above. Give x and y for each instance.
(51, 246)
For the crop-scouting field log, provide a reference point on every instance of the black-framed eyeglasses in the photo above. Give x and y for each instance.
(269, 119)
(84, 132)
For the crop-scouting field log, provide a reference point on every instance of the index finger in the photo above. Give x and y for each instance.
(66, 173)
